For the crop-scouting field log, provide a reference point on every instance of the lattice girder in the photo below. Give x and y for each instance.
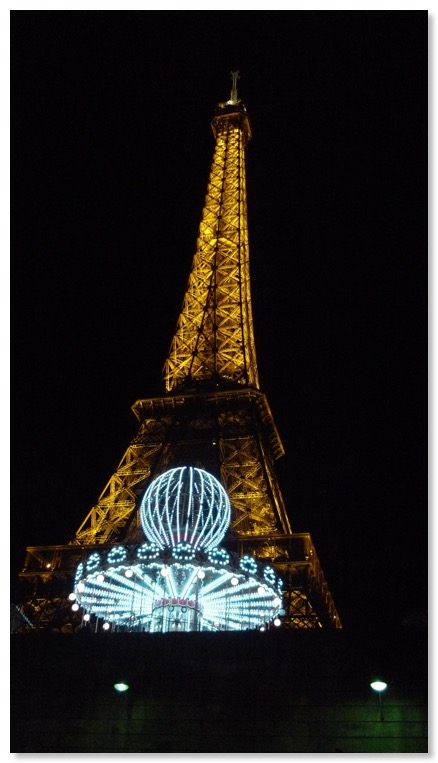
(244, 479)
(214, 338)
(118, 499)
(50, 613)
(233, 435)
(183, 430)
(299, 611)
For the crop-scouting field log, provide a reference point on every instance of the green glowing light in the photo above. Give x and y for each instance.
(121, 686)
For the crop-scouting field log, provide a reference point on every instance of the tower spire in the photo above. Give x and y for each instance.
(234, 77)
(214, 337)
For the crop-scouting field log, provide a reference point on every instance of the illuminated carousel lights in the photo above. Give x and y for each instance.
(251, 601)
(219, 557)
(185, 505)
(177, 580)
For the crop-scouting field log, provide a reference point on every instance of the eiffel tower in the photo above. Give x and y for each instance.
(212, 415)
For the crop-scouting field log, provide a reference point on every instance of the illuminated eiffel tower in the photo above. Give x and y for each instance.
(212, 416)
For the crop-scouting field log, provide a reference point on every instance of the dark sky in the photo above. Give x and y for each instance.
(111, 150)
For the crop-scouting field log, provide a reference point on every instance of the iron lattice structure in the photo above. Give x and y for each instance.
(213, 415)
(214, 339)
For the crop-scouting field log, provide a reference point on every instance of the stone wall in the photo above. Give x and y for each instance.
(278, 691)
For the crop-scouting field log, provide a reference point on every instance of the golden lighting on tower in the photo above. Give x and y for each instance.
(214, 339)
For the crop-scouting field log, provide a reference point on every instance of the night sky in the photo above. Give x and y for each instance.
(111, 150)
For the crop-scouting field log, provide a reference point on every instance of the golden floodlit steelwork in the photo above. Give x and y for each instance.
(212, 415)
(214, 339)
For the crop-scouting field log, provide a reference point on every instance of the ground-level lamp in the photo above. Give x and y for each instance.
(121, 686)
(379, 687)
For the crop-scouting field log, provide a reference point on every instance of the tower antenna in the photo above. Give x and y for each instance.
(234, 77)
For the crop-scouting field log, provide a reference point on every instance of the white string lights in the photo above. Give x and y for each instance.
(180, 579)
(185, 506)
